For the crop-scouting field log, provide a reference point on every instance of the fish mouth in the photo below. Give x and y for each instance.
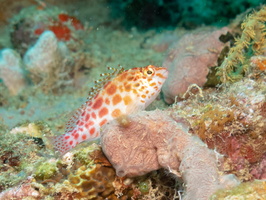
(164, 72)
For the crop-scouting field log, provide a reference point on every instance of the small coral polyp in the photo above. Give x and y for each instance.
(93, 183)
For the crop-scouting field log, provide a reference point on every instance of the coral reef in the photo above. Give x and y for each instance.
(153, 140)
(251, 43)
(233, 123)
(248, 191)
(190, 60)
(23, 191)
(11, 71)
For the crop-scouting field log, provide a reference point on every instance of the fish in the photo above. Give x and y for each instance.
(117, 94)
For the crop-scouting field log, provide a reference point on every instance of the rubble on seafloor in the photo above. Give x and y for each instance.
(216, 140)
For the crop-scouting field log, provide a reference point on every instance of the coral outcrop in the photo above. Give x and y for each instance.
(190, 60)
(92, 182)
(11, 71)
(153, 140)
(233, 123)
(45, 60)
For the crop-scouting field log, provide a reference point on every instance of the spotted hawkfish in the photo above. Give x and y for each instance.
(119, 93)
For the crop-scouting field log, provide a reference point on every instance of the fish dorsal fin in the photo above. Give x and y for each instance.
(106, 77)
(100, 83)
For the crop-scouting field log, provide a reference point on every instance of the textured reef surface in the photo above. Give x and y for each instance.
(203, 137)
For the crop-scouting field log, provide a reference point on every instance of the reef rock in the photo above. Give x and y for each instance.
(11, 71)
(148, 141)
(189, 61)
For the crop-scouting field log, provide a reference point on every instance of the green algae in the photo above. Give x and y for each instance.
(144, 186)
(46, 170)
(248, 191)
(83, 155)
(18, 155)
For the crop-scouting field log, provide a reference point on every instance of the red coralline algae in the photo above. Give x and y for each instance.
(27, 29)
(73, 20)
(61, 27)
(154, 140)
(259, 171)
(189, 61)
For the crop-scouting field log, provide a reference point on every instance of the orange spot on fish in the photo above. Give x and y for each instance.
(87, 117)
(116, 113)
(76, 136)
(67, 137)
(86, 126)
(93, 115)
(122, 77)
(107, 101)
(111, 89)
(74, 132)
(84, 137)
(130, 78)
(127, 100)
(103, 122)
(121, 89)
(136, 84)
(92, 130)
(103, 112)
(116, 99)
(160, 75)
(143, 96)
(71, 142)
(98, 103)
(128, 87)
(153, 84)
(90, 123)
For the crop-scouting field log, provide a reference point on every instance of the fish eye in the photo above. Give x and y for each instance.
(149, 72)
